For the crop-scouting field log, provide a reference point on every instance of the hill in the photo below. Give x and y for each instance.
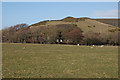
(70, 30)
(86, 24)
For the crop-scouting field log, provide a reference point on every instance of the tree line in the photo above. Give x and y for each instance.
(56, 34)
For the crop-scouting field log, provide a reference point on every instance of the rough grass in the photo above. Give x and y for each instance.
(59, 61)
(100, 27)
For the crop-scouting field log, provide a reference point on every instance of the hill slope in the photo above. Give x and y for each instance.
(113, 22)
(86, 24)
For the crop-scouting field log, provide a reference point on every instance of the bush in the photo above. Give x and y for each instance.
(89, 26)
(114, 30)
(93, 25)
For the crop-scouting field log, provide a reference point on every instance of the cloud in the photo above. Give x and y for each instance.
(108, 13)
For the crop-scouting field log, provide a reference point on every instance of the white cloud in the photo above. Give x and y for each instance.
(108, 13)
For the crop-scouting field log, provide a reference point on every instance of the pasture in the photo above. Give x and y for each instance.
(58, 61)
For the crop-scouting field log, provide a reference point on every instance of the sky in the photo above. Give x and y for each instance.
(32, 12)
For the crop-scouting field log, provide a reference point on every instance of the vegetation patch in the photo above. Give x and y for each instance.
(72, 19)
(114, 30)
(91, 26)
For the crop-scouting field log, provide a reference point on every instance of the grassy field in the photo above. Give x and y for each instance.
(59, 61)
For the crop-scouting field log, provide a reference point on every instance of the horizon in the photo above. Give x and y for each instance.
(30, 13)
(59, 19)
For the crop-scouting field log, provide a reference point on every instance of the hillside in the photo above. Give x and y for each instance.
(113, 22)
(86, 24)
(70, 30)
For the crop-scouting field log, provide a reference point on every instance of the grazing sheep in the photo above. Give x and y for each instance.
(77, 44)
(91, 47)
(24, 47)
(102, 46)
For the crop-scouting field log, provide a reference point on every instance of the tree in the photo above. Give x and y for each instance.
(12, 34)
(91, 38)
(74, 37)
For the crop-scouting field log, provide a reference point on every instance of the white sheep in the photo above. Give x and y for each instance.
(91, 47)
(102, 46)
(24, 47)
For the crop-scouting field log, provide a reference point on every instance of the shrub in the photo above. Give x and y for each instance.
(93, 25)
(89, 26)
(114, 30)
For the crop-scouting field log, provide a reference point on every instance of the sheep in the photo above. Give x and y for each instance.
(91, 47)
(102, 46)
(24, 47)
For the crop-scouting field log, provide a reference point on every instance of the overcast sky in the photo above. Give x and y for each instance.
(31, 12)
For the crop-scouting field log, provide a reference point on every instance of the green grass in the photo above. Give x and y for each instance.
(59, 61)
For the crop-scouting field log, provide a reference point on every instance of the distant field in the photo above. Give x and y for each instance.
(59, 61)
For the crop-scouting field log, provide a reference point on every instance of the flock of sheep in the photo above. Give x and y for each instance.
(77, 45)
(99, 46)
(92, 45)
